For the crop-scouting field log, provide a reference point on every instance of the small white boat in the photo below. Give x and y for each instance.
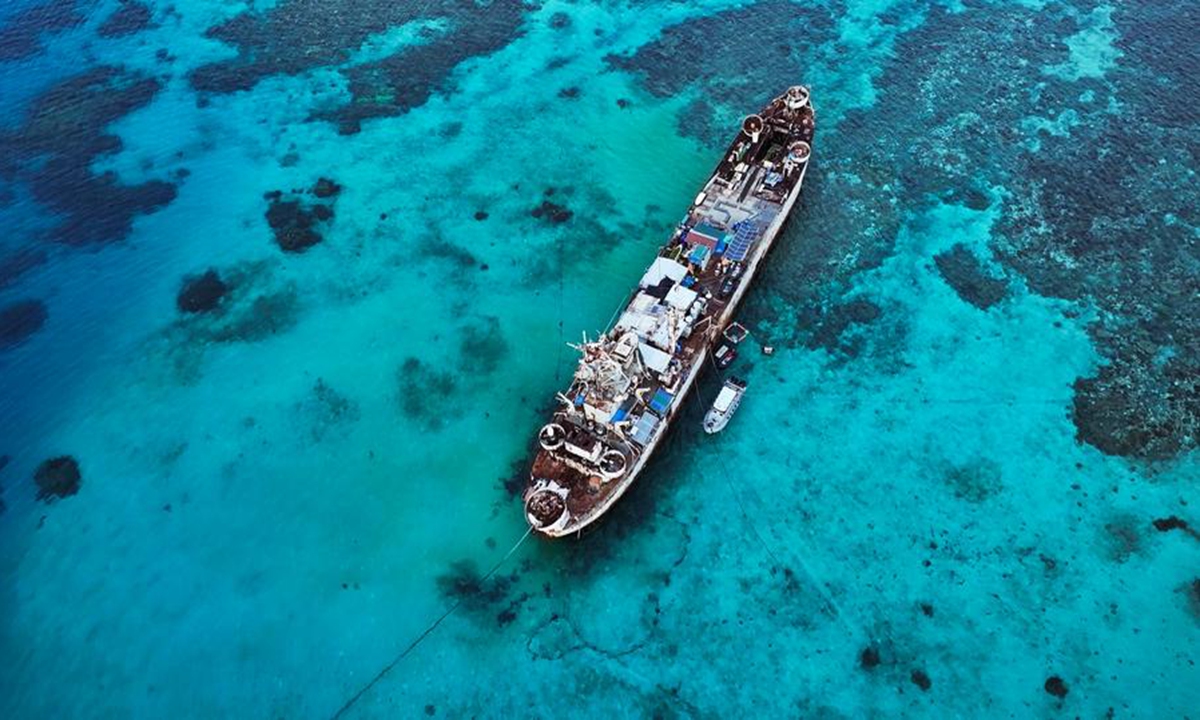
(725, 405)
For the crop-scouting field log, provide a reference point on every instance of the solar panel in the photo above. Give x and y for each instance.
(744, 235)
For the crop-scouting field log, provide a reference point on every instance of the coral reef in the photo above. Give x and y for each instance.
(131, 18)
(293, 217)
(1121, 411)
(464, 585)
(253, 307)
(201, 293)
(21, 36)
(921, 680)
(63, 134)
(4, 459)
(552, 212)
(57, 478)
(975, 482)
(19, 262)
(482, 347)
(326, 410)
(1056, 687)
(326, 188)
(426, 394)
(19, 320)
(962, 271)
(295, 36)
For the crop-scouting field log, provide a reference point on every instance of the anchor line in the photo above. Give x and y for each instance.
(383, 672)
(812, 576)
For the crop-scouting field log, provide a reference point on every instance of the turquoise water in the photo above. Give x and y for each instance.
(939, 495)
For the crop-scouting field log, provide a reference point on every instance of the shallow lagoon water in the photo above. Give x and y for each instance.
(919, 509)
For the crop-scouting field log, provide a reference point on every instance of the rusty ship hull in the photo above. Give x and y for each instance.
(633, 379)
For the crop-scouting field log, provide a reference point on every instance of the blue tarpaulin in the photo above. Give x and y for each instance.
(661, 401)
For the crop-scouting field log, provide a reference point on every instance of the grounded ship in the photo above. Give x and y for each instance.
(632, 380)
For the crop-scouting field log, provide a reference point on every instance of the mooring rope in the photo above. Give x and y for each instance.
(804, 566)
(561, 313)
(427, 632)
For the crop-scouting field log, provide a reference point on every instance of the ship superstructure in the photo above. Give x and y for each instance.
(633, 378)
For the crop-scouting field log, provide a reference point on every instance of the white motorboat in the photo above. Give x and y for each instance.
(725, 405)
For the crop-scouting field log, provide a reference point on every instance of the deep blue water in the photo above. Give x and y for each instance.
(278, 321)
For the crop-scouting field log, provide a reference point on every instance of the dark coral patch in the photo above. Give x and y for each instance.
(130, 19)
(1055, 686)
(570, 93)
(201, 293)
(406, 80)
(326, 188)
(21, 36)
(293, 37)
(921, 679)
(20, 320)
(57, 478)
(251, 309)
(483, 346)
(441, 249)
(1170, 523)
(975, 481)
(1121, 538)
(830, 324)
(63, 134)
(3, 463)
(1139, 410)
(560, 20)
(1192, 591)
(869, 658)
(463, 583)
(552, 212)
(293, 219)
(16, 264)
(426, 393)
(264, 316)
(481, 215)
(962, 271)
(327, 410)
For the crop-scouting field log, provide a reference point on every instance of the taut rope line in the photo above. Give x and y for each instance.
(428, 631)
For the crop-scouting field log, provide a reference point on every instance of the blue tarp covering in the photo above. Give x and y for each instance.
(620, 414)
(661, 401)
(697, 255)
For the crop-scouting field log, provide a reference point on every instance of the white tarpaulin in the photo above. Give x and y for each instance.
(663, 268)
(655, 359)
(680, 298)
